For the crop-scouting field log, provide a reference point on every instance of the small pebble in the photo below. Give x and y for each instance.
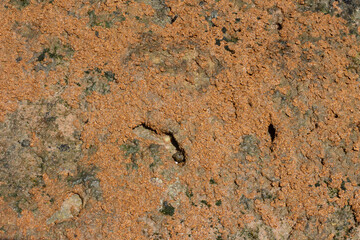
(25, 143)
(179, 157)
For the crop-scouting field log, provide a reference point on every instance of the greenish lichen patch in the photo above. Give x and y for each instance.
(20, 4)
(205, 203)
(56, 152)
(96, 80)
(87, 178)
(130, 148)
(189, 193)
(154, 152)
(167, 209)
(106, 20)
(56, 54)
(161, 16)
(333, 192)
(248, 147)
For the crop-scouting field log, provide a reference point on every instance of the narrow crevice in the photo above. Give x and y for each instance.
(179, 156)
(147, 127)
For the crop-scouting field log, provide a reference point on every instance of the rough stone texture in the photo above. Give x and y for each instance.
(70, 208)
(169, 119)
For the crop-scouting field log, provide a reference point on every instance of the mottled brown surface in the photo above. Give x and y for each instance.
(152, 119)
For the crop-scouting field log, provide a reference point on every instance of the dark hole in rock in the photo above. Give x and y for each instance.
(279, 26)
(217, 42)
(272, 132)
(174, 19)
(223, 30)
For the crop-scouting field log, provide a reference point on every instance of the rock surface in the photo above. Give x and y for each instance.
(168, 119)
(69, 208)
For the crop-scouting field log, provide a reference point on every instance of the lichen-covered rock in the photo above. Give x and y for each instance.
(230, 119)
(69, 208)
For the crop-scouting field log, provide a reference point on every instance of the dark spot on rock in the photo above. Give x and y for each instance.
(167, 209)
(272, 132)
(189, 193)
(18, 59)
(42, 55)
(266, 194)
(279, 26)
(317, 184)
(96, 33)
(343, 185)
(218, 203)
(223, 30)
(228, 49)
(237, 20)
(110, 76)
(173, 19)
(25, 143)
(131, 148)
(49, 119)
(205, 203)
(64, 148)
(217, 42)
